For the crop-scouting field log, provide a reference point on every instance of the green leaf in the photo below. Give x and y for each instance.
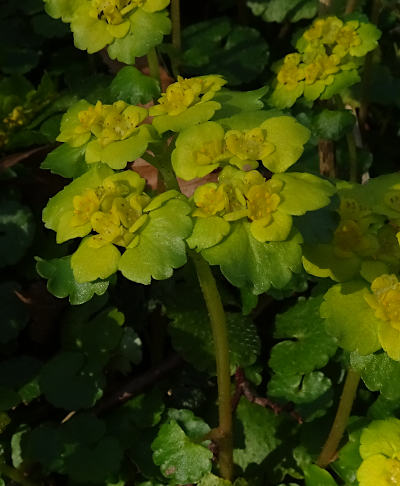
(246, 262)
(47, 27)
(16, 231)
(61, 281)
(90, 264)
(297, 388)
(315, 476)
(333, 124)
(161, 246)
(192, 338)
(67, 384)
(379, 373)
(211, 480)
(236, 52)
(350, 319)
(14, 314)
(194, 427)
(134, 87)
(260, 429)
(309, 347)
(66, 161)
(181, 460)
(349, 459)
(279, 10)
(235, 102)
(147, 31)
(129, 351)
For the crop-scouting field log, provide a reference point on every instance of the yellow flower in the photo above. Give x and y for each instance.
(385, 301)
(249, 144)
(184, 93)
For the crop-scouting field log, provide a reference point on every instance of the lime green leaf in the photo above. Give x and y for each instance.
(379, 373)
(16, 231)
(66, 161)
(234, 102)
(369, 35)
(289, 137)
(198, 113)
(211, 480)
(61, 281)
(89, 264)
(66, 384)
(194, 141)
(350, 319)
(260, 429)
(61, 8)
(341, 81)
(208, 232)
(14, 314)
(378, 469)
(192, 338)
(246, 262)
(90, 33)
(147, 31)
(381, 437)
(134, 87)
(181, 460)
(236, 52)
(304, 192)
(309, 347)
(315, 476)
(161, 246)
(333, 124)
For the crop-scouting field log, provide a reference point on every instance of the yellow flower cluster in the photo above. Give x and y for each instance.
(114, 209)
(329, 48)
(114, 11)
(185, 93)
(108, 123)
(245, 195)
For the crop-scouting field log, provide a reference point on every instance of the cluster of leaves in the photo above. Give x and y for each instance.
(108, 380)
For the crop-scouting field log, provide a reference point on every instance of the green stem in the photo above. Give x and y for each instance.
(341, 419)
(351, 145)
(176, 35)
(15, 475)
(220, 334)
(350, 6)
(154, 67)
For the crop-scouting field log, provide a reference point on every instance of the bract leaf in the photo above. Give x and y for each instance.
(181, 460)
(288, 137)
(246, 262)
(147, 31)
(90, 264)
(304, 192)
(61, 281)
(309, 347)
(161, 246)
(66, 161)
(350, 319)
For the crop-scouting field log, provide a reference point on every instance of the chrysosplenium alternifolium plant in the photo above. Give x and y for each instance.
(251, 216)
(128, 28)
(329, 55)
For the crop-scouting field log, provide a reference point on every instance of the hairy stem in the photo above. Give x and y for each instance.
(15, 475)
(154, 67)
(220, 334)
(342, 416)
